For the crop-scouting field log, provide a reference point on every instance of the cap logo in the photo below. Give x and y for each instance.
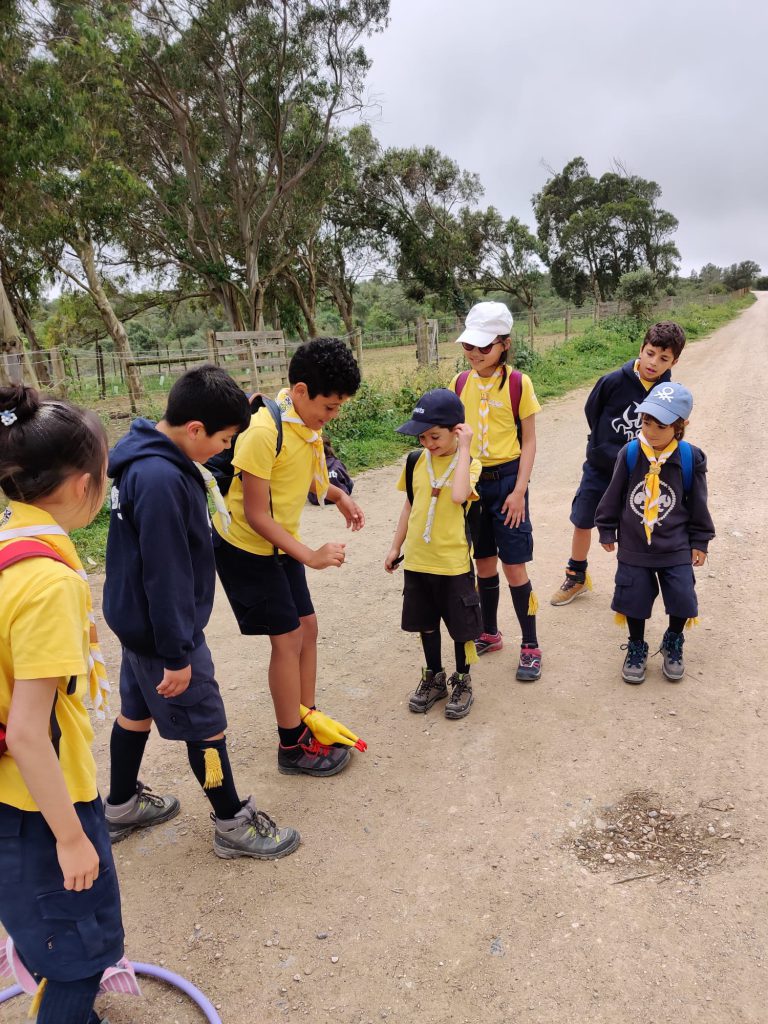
(419, 409)
(665, 394)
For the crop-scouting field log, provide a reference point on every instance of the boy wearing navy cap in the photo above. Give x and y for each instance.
(656, 505)
(439, 483)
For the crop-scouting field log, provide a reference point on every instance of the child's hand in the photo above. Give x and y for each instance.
(351, 512)
(392, 560)
(699, 557)
(174, 681)
(608, 547)
(514, 509)
(79, 862)
(463, 432)
(329, 555)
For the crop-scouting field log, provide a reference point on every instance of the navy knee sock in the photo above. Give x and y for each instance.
(461, 658)
(222, 795)
(636, 629)
(69, 1002)
(488, 588)
(432, 650)
(521, 597)
(126, 749)
(676, 624)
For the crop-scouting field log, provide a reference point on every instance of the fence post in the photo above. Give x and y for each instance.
(422, 357)
(567, 322)
(531, 327)
(433, 334)
(213, 355)
(100, 371)
(358, 341)
(59, 373)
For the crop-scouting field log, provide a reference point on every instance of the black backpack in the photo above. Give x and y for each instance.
(221, 465)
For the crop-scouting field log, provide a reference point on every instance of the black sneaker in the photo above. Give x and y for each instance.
(461, 696)
(430, 690)
(633, 669)
(309, 757)
(673, 665)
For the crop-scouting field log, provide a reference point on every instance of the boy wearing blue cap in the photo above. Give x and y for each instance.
(656, 505)
(439, 483)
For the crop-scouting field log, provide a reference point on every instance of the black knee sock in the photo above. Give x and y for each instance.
(461, 658)
(676, 624)
(222, 794)
(488, 588)
(70, 1001)
(636, 629)
(521, 597)
(432, 650)
(126, 749)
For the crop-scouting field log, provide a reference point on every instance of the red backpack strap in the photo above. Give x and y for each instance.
(19, 550)
(515, 392)
(461, 380)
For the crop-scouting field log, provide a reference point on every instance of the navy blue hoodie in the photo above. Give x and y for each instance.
(161, 575)
(611, 412)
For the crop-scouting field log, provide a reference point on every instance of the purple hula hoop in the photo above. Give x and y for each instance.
(151, 971)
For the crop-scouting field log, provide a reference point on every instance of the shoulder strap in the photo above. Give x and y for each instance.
(258, 401)
(20, 550)
(410, 466)
(686, 459)
(515, 379)
(631, 453)
(461, 381)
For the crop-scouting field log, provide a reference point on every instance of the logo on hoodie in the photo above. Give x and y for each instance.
(667, 500)
(114, 499)
(628, 425)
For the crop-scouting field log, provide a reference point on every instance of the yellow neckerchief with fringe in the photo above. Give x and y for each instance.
(22, 522)
(319, 468)
(485, 407)
(652, 486)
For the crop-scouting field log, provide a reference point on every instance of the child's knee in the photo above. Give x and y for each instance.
(309, 630)
(287, 644)
(134, 725)
(516, 575)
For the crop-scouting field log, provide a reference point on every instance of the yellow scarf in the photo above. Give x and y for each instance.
(485, 407)
(319, 468)
(22, 521)
(652, 485)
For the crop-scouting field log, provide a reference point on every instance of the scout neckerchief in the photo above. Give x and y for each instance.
(437, 486)
(319, 468)
(20, 520)
(225, 519)
(485, 407)
(652, 487)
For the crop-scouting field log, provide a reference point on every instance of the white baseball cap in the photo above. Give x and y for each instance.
(485, 322)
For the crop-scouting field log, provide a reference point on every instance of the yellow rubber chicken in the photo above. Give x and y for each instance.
(328, 731)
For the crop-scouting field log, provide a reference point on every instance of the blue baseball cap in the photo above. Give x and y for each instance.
(438, 408)
(668, 402)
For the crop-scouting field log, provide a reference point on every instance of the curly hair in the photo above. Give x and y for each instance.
(666, 334)
(326, 366)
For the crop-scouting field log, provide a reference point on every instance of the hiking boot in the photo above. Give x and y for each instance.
(673, 665)
(430, 690)
(529, 666)
(633, 669)
(252, 833)
(143, 810)
(461, 695)
(487, 643)
(310, 757)
(574, 584)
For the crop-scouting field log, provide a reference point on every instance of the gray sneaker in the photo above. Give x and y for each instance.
(252, 833)
(461, 696)
(143, 810)
(633, 669)
(673, 665)
(430, 690)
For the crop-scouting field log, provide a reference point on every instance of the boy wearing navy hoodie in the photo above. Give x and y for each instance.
(158, 596)
(613, 419)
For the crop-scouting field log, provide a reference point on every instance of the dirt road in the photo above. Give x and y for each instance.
(442, 864)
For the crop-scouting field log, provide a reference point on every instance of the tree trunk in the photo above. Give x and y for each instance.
(84, 249)
(11, 350)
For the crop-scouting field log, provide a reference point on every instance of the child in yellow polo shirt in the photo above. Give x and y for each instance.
(59, 898)
(261, 558)
(501, 405)
(439, 581)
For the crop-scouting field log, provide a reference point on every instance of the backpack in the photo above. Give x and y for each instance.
(221, 465)
(686, 458)
(515, 382)
(410, 466)
(19, 551)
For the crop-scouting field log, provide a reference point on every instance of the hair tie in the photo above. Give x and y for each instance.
(8, 417)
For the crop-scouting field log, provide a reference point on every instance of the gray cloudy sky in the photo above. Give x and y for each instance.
(676, 90)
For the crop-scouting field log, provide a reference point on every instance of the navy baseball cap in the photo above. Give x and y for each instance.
(668, 402)
(438, 408)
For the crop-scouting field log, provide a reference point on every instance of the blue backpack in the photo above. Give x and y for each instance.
(686, 458)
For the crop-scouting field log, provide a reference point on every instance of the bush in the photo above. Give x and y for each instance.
(761, 284)
(638, 288)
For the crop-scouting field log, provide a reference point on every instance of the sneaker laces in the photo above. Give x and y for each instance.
(315, 747)
(146, 796)
(528, 657)
(425, 685)
(459, 688)
(260, 823)
(672, 646)
(572, 580)
(636, 653)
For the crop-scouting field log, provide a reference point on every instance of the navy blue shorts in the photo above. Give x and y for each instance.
(60, 935)
(428, 598)
(490, 537)
(268, 595)
(637, 587)
(594, 484)
(196, 714)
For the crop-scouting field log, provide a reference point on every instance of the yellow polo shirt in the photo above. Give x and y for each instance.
(290, 475)
(447, 553)
(503, 443)
(44, 634)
